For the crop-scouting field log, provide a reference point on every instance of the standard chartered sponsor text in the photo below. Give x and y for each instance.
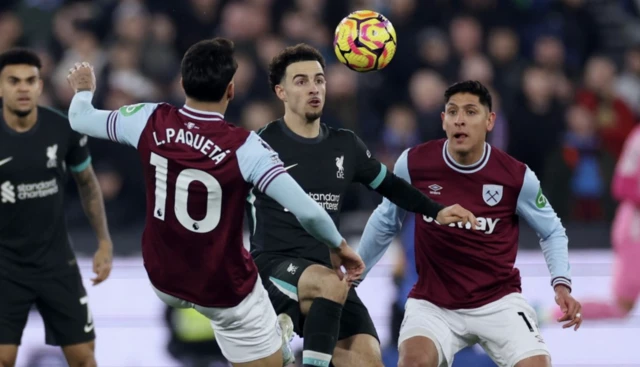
(327, 201)
(37, 189)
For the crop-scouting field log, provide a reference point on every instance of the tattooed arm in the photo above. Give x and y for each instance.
(93, 204)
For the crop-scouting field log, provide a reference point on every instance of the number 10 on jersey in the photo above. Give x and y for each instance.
(181, 197)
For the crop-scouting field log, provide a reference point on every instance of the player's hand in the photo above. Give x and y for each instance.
(82, 78)
(344, 256)
(570, 308)
(102, 262)
(454, 214)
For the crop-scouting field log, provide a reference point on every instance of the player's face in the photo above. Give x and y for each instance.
(20, 87)
(304, 89)
(466, 122)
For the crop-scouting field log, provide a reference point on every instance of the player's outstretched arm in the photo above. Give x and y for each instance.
(626, 180)
(384, 223)
(536, 210)
(399, 191)
(122, 126)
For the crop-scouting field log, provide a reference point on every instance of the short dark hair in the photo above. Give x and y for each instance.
(207, 68)
(19, 56)
(288, 56)
(472, 87)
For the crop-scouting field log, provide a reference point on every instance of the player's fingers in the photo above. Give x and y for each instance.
(565, 317)
(579, 323)
(339, 273)
(574, 307)
(474, 220)
(570, 323)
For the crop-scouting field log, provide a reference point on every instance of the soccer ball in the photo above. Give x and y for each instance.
(365, 41)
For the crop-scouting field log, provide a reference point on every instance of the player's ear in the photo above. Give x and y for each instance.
(442, 118)
(280, 92)
(231, 90)
(491, 121)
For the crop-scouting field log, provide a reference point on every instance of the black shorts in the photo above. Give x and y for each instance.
(62, 302)
(280, 276)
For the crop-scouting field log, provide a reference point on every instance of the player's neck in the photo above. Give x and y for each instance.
(219, 107)
(300, 126)
(18, 123)
(467, 158)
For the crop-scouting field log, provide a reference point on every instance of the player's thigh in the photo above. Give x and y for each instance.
(16, 299)
(429, 335)
(64, 306)
(280, 277)
(248, 332)
(358, 342)
(507, 330)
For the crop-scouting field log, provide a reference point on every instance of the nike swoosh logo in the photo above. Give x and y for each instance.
(88, 328)
(291, 166)
(7, 160)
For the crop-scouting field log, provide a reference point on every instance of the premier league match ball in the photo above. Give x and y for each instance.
(365, 41)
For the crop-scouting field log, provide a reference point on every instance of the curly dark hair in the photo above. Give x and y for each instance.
(288, 56)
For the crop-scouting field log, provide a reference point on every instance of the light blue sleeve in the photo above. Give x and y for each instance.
(536, 210)
(122, 126)
(261, 166)
(384, 223)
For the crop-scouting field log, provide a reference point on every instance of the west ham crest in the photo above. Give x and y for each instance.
(492, 194)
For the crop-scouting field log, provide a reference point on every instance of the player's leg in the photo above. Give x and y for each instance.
(64, 306)
(321, 297)
(507, 329)
(430, 336)
(358, 343)
(15, 302)
(80, 355)
(248, 334)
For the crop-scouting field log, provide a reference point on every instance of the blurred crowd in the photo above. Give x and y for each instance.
(566, 87)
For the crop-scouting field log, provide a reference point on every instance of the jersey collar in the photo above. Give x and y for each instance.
(471, 168)
(200, 115)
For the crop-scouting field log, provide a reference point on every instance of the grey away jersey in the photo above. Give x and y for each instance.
(33, 171)
(324, 167)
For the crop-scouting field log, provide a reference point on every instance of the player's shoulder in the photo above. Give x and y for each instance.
(335, 132)
(509, 165)
(506, 160)
(56, 121)
(53, 116)
(429, 147)
(269, 129)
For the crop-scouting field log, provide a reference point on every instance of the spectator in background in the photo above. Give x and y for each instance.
(578, 173)
(426, 96)
(614, 118)
(504, 51)
(434, 52)
(400, 132)
(536, 120)
(628, 83)
(549, 54)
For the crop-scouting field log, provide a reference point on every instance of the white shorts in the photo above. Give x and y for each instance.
(507, 329)
(246, 332)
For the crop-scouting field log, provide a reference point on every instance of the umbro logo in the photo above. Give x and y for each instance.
(435, 189)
